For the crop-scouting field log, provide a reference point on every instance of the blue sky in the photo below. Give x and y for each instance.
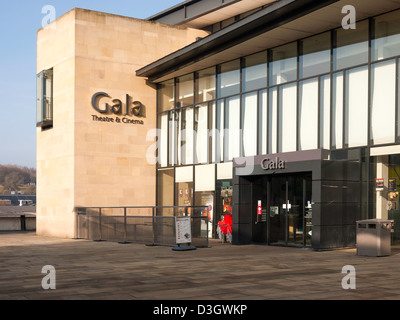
(19, 22)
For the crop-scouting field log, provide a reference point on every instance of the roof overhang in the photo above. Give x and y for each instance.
(202, 13)
(282, 22)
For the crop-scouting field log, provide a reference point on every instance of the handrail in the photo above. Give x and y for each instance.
(141, 207)
(156, 224)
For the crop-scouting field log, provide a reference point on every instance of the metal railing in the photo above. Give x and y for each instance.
(146, 225)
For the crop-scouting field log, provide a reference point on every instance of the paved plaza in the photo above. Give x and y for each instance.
(87, 270)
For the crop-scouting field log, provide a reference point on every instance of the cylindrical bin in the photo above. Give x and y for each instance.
(373, 237)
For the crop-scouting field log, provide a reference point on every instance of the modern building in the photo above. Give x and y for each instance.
(283, 113)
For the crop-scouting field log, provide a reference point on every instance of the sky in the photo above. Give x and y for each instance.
(19, 22)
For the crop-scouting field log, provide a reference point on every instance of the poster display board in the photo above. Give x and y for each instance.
(379, 184)
(183, 230)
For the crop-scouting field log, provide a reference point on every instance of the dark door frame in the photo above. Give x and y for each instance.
(286, 211)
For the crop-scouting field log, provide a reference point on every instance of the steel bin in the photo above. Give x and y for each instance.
(374, 237)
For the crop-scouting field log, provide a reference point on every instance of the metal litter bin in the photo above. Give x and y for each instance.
(373, 237)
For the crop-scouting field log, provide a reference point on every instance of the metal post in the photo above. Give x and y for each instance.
(76, 232)
(125, 227)
(207, 228)
(154, 226)
(87, 225)
(100, 231)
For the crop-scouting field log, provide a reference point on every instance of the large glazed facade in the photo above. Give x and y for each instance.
(325, 104)
(271, 104)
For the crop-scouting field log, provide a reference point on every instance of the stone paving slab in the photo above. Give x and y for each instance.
(87, 270)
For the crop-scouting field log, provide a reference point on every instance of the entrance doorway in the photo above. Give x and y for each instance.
(287, 216)
(290, 210)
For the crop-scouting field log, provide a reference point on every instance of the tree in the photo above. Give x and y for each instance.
(15, 177)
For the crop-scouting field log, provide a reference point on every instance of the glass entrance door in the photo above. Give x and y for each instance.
(290, 210)
(277, 213)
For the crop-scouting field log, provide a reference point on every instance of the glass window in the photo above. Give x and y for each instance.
(351, 46)
(386, 42)
(287, 118)
(337, 111)
(272, 120)
(205, 199)
(184, 174)
(204, 188)
(325, 112)
(205, 177)
(165, 188)
(173, 125)
(225, 171)
(229, 79)
(202, 133)
(308, 114)
(398, 101)
(44, 104)
(383, 102)
(186, 137)
(232, 129)
(283, 67)
(262, 120)
(185, 88)
(184, 187)
(316, 55)
(163, 140)
(220, 131)
(224, 203)
(356, 118)
(249, 124)
(166, 95)
(184, 195)
(254, 72)
(212, 118)
(206, 85)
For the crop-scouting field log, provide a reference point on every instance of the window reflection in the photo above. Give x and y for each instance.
(383, 102)
(356, 108)
(44, 99)
(308, 114)
(185, 90)
(287, 118)
(255, 72)
(232, 129)
(275, 113)
(166, 96)
(316, 55)
(202, 134)
(229, 79)
(351, 46)
(337, 110)
(386, 42)
(206, 85)
(164, 190)
(249, 119)
(283, 67)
